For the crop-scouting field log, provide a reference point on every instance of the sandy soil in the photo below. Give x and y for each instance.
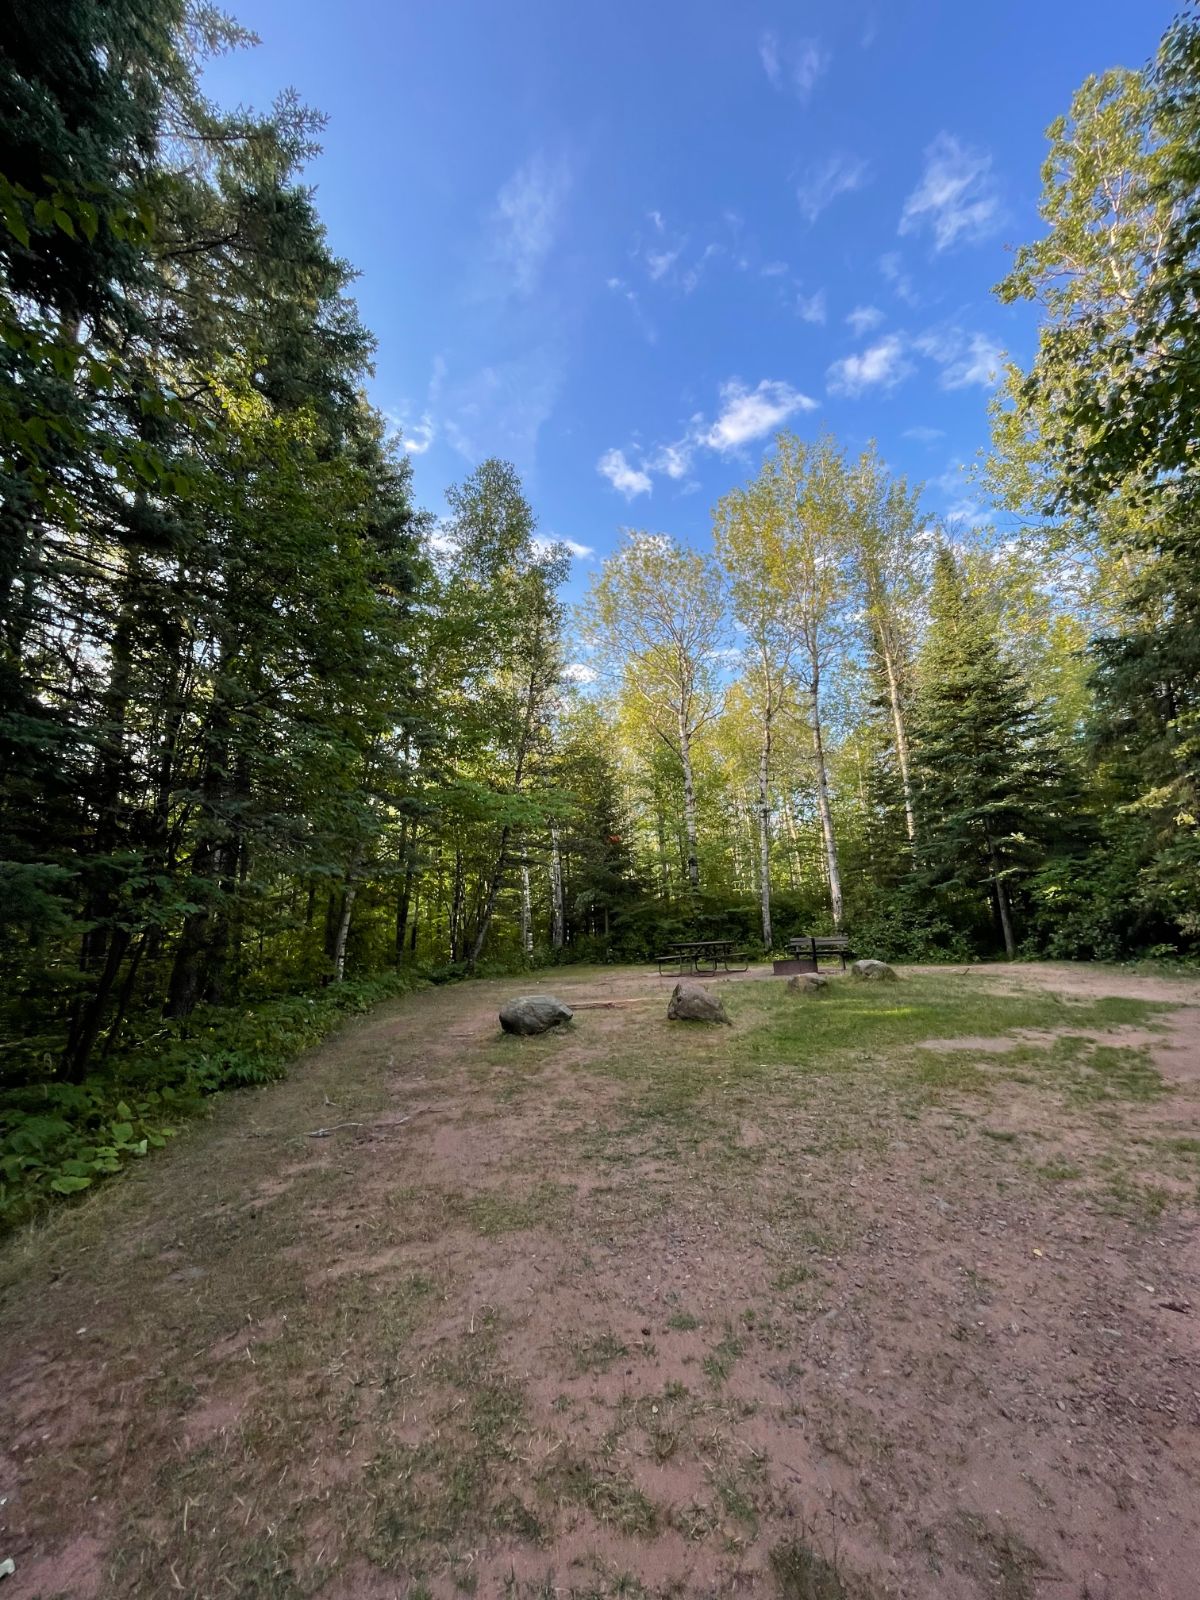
(496, 1335)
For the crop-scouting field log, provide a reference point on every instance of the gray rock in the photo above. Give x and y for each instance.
(873, 971)
(533, 1013)
(692, 1002)
(809, 983)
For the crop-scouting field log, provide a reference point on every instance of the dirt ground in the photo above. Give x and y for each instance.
(896, 1300)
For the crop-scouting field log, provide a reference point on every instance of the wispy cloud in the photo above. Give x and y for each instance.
(674, 460)
(863, 318)
(881, 366)
(415, 437)
(625, 479)
(824, 181)
(526, 218)
(795, 64)
(892, 268)
(744, 415)
(748, 414)
(580, 551)
(665, 257)
(965, 358)
(811, 307)
(629, 294)
(419, 435)
(957, 197)
(768, 54)
(501, 407)
(925, 435)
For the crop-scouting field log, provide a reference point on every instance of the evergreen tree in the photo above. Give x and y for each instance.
(991, 793)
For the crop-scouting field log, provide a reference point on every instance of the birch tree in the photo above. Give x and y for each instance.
(890, 563)
(751, 527)
(804, 490)
(656, 616)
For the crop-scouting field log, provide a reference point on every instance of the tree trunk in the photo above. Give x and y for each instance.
(558, 920)
(764, 833)
(831, 855)
(493, 894)
(456, 907)
(343, 930)
(408, 843)
(526, 912)
(910, 819)
(1002, 905)
(689, 805)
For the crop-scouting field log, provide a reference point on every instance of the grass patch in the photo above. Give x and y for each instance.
(678, 1081)
(720, 1362)
(595, 1353)
(611, 1497)
(802, 1573)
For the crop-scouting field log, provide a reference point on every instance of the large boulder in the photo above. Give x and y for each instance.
(873, 972)
(533, 1013)
(809, 983)
(692, 1002)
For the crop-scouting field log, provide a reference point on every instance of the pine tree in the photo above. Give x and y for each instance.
(991, 792)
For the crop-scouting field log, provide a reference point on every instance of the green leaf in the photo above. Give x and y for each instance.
(70, 1185)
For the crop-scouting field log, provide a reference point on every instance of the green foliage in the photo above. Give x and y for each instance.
(59, 1138)
(992, 795)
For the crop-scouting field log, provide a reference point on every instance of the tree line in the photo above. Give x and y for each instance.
(267, 727)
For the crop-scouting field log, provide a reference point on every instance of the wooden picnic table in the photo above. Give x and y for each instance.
(711, 952)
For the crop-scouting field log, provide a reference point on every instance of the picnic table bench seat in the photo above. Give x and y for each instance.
(814, 946)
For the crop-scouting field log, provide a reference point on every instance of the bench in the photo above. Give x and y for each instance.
(814, 946)
(676, 960)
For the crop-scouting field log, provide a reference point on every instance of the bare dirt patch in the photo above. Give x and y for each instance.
(804, 1307)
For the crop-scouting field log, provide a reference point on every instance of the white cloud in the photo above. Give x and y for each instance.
(881, 365)
(925, 435)
(952, 479)
(415, 437)
(965, 358)
(745, 415)
(967, 514)
(863, 318)
(660, 262)
(811, 307)
(579, 551)
(824, 181)
(893, 270)
(526, 218)
(809, 61)
(956, 197)
(579, 672)
(674, 460)
(748, 414)
(768, 52)
(619, 286)
(799, 63)
(775, 269)
(691, 277)
(419, 435)
(625, 479)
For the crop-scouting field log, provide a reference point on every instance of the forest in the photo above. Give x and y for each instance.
(276, 741)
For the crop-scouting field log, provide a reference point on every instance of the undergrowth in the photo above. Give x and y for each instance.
(57, 1139)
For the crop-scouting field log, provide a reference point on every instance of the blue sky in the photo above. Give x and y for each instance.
(622, 244)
